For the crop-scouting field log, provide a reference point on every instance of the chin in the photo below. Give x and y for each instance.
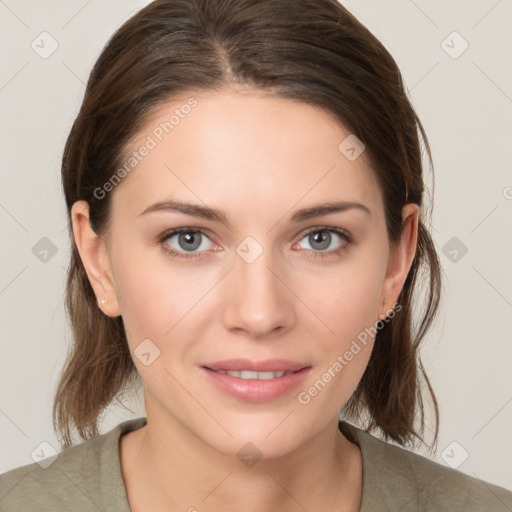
(262, 438)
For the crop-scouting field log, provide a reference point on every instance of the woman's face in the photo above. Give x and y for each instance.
(250, 278)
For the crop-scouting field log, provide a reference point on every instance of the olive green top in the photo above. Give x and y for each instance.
(87, 477)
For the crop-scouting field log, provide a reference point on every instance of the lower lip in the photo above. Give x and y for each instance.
(257, 390)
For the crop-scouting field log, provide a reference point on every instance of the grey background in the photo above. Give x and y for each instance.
(465, 104)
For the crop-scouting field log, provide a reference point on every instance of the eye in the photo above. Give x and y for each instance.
(187, 240)
(321, 238)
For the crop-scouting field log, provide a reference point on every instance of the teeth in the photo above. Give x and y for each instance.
(247, 374)
(267, 375)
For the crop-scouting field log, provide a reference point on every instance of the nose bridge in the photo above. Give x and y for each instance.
(259, 302)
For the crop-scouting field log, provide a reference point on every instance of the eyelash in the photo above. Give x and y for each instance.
(346, 237)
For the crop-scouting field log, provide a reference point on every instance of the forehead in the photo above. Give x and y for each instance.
(243, 151)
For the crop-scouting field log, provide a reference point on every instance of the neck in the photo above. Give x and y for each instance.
(166, 466)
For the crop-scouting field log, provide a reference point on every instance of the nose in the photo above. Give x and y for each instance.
(258, 299)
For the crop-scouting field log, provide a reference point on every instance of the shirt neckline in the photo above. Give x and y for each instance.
(113, 489)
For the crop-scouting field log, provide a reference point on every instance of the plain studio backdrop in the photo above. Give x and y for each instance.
(455, 59)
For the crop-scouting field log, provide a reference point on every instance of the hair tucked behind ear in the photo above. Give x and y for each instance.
(99, 365)
(390, 391)
(312, 51)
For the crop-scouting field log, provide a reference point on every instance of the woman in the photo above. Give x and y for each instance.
(245, 195)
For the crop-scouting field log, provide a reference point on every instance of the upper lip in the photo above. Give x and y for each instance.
(268, 365)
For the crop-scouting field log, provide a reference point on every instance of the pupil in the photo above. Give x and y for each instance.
(322, 238)
(188, 238)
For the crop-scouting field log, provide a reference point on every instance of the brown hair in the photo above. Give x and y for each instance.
(313, 51)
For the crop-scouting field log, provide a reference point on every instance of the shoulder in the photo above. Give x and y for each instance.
(75, 480)
(395, 478)
(70, 479)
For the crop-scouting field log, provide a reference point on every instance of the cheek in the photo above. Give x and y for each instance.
(348, 307)
(346, 299)
(158, 298)
(343, 354)
(143, 291)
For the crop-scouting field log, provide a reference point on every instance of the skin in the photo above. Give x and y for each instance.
(259, 158)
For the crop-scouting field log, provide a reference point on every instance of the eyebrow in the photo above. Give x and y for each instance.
(216, 215)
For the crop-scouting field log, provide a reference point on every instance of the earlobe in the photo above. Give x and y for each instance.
(400, 259)
(95, 258)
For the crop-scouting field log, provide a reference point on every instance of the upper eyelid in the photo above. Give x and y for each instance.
(176, 231)
(337, 231)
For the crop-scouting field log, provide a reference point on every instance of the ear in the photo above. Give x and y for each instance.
(400, 259)
(95, 258)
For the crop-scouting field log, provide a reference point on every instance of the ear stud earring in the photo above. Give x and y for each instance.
(103, 301)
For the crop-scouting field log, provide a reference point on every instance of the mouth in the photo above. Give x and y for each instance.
(266, 365)
(256, 381)
(248, 374)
